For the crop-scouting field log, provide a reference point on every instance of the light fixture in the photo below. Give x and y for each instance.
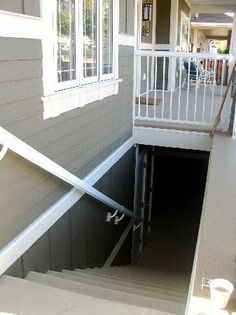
(147, 12)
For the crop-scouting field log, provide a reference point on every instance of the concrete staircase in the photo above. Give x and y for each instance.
(122, 290)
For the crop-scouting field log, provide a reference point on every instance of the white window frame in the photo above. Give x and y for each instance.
(105, 85)
(88, 80)
(80, 79)
(109, 75)
(184, 17)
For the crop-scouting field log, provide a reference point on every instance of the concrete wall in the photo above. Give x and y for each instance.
(163, 21)
(215, 256)
(28, 7)
(82, 237)
(78, 140)
(127, 8)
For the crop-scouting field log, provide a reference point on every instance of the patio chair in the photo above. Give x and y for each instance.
(196, 73)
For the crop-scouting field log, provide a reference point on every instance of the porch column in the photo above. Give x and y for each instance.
(195, 40)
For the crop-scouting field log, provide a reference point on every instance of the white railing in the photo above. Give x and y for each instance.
(12, 251)
(9, 141)
(179, 88)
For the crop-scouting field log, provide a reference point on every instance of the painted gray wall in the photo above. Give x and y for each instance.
(126, 17)
(28, 7)
(215, 255)
(163, 21)
(82, 237)
(78, 140)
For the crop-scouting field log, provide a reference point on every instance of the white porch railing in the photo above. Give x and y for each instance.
(174, 88)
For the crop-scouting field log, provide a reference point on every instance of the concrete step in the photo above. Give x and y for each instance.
(23, 297)
(160, 294)
(129, 276)
(135, 271)
(169, 307)
(128, 283)
(120, 285)
(144, 273)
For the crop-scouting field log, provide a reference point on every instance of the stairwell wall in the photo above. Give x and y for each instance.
(82, 238)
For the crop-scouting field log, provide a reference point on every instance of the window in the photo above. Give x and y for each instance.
(85, 51)
(66, 40)
(184, 32)
(80, 53)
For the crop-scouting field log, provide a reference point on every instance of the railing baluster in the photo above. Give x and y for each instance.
(171, 63)
(213, 89)
(139, 84)
(155, 90)
(147, 86)
(204, 92)
(188, 84)
(180, 86)
(163, 86)
(196, 90)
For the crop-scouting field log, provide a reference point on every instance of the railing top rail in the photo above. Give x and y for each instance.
(149, 53)
(24, 150)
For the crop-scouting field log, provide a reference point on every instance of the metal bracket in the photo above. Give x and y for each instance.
(117, 219)
(206, 283)
(135, 227)
(110, 216)
(3, 152)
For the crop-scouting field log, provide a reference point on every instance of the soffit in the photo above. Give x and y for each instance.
(212, 6)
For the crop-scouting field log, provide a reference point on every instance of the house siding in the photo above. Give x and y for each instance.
(28, 7)
(78, 140)
(82, 238)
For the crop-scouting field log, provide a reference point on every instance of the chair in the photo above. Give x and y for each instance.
(196, 73)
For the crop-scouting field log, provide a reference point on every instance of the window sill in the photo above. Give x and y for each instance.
(64, 101)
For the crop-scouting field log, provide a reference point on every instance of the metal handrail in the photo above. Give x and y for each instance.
(24, 150)
(150, 53)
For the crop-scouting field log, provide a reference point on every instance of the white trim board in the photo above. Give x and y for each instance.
(172, 138)
(16, 25)
(161, 47)
(18, 246)
(222, 8)
(126, 40)
(64, 101)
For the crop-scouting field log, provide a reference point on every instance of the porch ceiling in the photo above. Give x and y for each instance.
(212, 6)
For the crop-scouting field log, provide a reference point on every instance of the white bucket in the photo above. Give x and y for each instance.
(221, 291)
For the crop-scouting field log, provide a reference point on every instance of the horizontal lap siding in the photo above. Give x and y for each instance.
(12, 5)
(78, 140)
(29, 7)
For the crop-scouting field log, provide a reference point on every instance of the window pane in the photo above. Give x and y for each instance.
(66, 40)
(90, 38)
(107, 37)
